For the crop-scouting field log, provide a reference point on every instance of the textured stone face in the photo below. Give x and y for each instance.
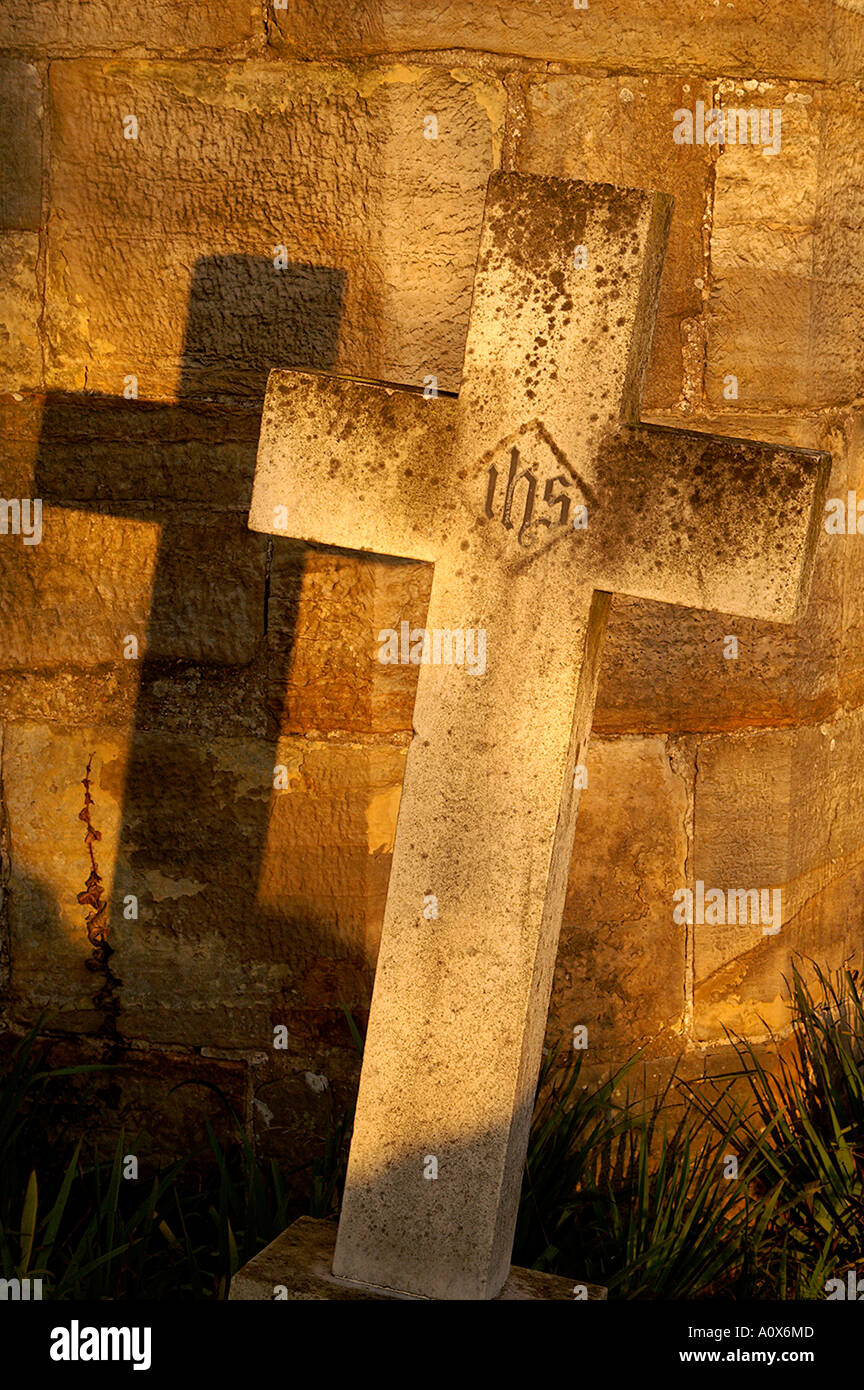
(495, 488)
(68, 26)
(79, 624)
(20, 146)
(184, 291)
(618, 939)
(612, 130)
(20, 357)
(194, 971)
(803, 775)
(783, 674)
(786, 250)
(825, 39)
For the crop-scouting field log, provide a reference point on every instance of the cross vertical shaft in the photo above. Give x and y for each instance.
(488, 487)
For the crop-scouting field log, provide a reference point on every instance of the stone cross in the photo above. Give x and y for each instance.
(536, 496)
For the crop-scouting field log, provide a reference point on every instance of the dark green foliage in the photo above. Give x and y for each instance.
(88, 1232)
(627, 1195)
(642, 1196)
(802, 1134)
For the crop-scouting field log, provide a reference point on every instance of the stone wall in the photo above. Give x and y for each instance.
(156, 162)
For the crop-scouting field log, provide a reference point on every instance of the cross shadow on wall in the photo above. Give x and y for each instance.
(206, 963)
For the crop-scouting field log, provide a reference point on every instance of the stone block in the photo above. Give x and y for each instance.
(20, 308)
(619, 131)
(823, 40)
(786, 295)
(664, 668)
(778, 809)
(43, 772)
(185, 586)
(63, 28)
(297, 1266)
(183, 291)
(20, 145)
(620, 967)
(325, 613)
(256, 906)
(749, 994)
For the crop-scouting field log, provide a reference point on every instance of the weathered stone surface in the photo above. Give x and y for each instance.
(488, 803)
(71, 698)
(105, 450)
(299, 1101)
(338, 839)
(185, 586)
(838, 278)
(20, 146)
(20, 417)
(20, 307)
(620, 970)
(804, 774)
(848, 477)
(207, 700)
(614, 130)
(43, 795)
(249, 898)
(749, 36)
(664, 667)
(768, 815)
(750, 993)
(762, 238)
(158, 1099)
(299, 1264)
(69, 27)
(667, 670)
(182, 290)
(786, 297)
(169, 696)
(324, 615)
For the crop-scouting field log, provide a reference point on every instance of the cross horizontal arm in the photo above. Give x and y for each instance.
(357, 464)
(707, 522)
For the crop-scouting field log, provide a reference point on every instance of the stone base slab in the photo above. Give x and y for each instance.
(297, 1266)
